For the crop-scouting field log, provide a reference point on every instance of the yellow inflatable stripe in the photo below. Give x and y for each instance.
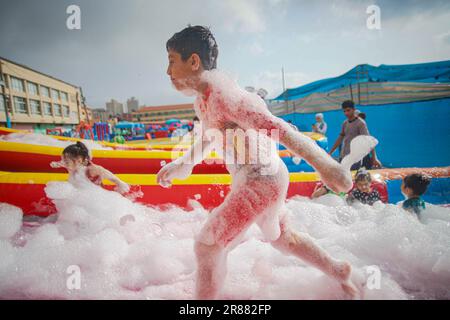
(126, 154)
(136, 179)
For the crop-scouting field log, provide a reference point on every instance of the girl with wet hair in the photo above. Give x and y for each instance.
(76, 158)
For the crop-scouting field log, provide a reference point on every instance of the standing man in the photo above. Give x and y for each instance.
(351, 128)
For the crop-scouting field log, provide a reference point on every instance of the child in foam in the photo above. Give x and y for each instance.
(363, 191)
(77, 160)
(413, 187)
(259, 188)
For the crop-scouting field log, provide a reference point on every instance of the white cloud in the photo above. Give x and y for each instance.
(272, 81)
(244, 15)
(256, 48)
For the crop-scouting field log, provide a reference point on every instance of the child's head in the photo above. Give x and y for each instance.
(415, 185)
(348, 107)
(363, 180)
(75, 156)
(191, 51)
(319, 117)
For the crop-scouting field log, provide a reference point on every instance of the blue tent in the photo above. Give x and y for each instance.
(407, 109)
(432, 72)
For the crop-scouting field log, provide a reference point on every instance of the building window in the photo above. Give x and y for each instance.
(55, 94)
(35, 106)
(17, 84)
(57, 110)
(20, 105)
(64, 97)
(2, 103)
(45, 91)
(47, 109)
(33, 89)
(66, 111)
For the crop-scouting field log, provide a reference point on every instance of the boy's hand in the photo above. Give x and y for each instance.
(174, 169)
(376, 163)
(123, 188)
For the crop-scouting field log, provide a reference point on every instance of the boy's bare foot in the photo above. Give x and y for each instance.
(350, 289)
(343, 273)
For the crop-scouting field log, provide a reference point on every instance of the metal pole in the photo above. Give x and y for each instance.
(284, 91)
(7, 101)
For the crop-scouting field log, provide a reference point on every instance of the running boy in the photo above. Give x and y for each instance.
(255, 195)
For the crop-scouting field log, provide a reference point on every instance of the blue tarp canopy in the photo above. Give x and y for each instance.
(432, 72)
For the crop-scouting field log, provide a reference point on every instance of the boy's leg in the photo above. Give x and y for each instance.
(224, 227)
(303, 247)
(211, 270)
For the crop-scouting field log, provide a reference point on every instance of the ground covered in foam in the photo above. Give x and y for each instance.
(44, 140)
(125, 250)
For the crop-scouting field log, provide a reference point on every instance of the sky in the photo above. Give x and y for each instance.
(119, 52)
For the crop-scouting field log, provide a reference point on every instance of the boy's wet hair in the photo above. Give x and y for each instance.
(363, 175)
(348, 104)
(76, 150)
(195, 39)
(418, 183)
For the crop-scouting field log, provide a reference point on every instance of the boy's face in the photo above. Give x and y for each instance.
(363, 186)
(349, 113)
(181, 73)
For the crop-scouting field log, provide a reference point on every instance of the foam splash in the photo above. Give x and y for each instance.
(44, 140)
(126, 250)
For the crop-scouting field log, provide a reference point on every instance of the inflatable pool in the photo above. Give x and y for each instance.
(148, 159)
(26, 189)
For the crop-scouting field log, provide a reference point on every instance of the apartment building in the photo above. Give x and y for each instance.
(35, 100)
(163, 113)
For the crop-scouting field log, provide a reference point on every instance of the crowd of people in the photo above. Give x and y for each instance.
(413, 186)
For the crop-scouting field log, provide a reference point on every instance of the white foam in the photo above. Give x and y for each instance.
(126, 250)
(44, 140)
(10, 220)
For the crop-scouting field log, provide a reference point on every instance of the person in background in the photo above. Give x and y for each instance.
(351, 128)
(320, 126)
(363, 191)
(413, 187)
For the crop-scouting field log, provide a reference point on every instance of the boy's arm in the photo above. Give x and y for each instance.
(198, 151)
(336, 144)
(250, 114)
